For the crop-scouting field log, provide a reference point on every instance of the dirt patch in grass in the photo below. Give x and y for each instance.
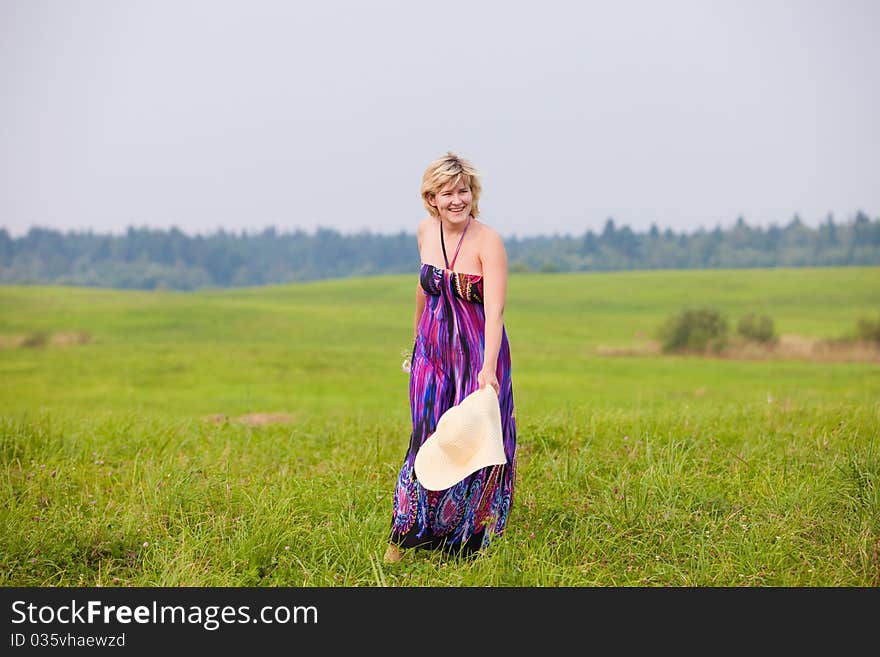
(28, 341)
(70, 338)
(788, 347)
(647, 348)
(40, 339)
(252, 419)
(799, 347)
(10, 341)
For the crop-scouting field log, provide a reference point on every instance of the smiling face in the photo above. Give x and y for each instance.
(454, 201)
(448, 184)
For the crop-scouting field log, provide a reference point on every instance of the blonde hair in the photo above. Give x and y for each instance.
(448, 168)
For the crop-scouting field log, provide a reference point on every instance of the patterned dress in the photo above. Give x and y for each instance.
(447, 356)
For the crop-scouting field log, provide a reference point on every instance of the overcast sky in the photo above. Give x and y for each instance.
(247, 114)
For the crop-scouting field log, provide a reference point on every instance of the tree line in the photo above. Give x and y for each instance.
(145, 258)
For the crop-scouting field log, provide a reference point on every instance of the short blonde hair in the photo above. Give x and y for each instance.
(448, 168)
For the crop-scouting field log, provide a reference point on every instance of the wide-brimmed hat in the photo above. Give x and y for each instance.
(468, 437)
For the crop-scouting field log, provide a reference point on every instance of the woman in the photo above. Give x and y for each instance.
(460, 345)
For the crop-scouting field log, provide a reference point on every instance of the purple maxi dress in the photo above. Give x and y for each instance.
(447, 356)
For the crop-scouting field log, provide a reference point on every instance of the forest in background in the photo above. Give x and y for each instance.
(146, 258)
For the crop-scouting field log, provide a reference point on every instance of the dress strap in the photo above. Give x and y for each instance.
(460, 240)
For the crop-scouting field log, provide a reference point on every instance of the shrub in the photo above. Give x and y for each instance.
(869, 329)
(758, 328)
(35, 340)
(695, 329)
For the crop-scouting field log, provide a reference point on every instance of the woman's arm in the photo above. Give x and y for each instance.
(420, 295)
(420, 306)
(494, 261)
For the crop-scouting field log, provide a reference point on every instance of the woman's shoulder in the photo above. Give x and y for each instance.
(424, 225)
(490, 247)
(422, 228)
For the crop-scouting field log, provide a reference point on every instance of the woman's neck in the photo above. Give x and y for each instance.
(455, 230)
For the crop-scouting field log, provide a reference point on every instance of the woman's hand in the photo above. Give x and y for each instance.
(488, 378)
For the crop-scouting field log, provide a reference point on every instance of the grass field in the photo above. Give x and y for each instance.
(644, 470)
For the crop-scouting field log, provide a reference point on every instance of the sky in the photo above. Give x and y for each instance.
(250, 114)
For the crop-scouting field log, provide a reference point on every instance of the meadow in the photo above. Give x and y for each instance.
(251, 437)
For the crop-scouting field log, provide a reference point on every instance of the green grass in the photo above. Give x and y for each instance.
(633, 471)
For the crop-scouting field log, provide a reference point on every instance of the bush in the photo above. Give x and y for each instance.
(35, 340)
(758, 328)
(696, 329)
(518, 267)
(869, 329)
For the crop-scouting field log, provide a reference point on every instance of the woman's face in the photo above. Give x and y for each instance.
(453, 202)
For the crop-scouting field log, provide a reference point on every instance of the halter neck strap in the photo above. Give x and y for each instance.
(460, 240)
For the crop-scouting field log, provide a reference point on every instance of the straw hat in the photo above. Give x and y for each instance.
(468, 437)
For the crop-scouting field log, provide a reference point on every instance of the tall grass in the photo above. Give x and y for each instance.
(632, 471)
